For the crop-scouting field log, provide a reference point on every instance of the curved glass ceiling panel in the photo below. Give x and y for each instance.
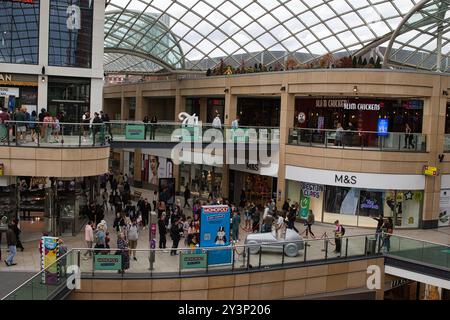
(423, 40)
(196, 34)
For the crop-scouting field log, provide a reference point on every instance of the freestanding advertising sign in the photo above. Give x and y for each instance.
(215, 232)
(50, 253)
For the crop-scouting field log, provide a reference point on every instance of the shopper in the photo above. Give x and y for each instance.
(217, 123)
(280, 226)
(379, 230)
(86, 120)
(388, 229)
(286, 206)
(17, 232)
(88, 238)
(408, 137)
(133, 236)
(62, 250)
(153, 125)
(309, 222)
(236, 222)
(339, 133)
(187, 196)
(162, 231)
(248, 217)
(32, 126)
(146, 120)
(292, 217)
(145, 210)
(11, 241)
(123, 250)
(175, 230)
(338, 233)
(256, 218)
(48, 127)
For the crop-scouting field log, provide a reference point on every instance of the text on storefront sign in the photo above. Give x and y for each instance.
(345, 179)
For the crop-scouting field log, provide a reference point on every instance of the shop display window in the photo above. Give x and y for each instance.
(358, 207)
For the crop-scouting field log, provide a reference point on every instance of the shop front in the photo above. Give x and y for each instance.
(203, 180)
(258, 181)
(368, 118)
(356, 198)
(69, 97)
(261, 112)
(18, 90)
(47, 205)
(154, 168)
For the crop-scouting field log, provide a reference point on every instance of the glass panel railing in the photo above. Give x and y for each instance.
(362, 140)
(52, 134)
(419, 251)
(447, 143)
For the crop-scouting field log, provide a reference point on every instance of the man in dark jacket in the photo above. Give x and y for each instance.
(175, 235)
(187, 196)
(162, 231)
(12, 242)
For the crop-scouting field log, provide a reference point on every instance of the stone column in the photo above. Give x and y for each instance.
(203, 110)
(139, 116)
(137, 168)
(230, 107)
(124, 108)
(434, 116)
(287, 113)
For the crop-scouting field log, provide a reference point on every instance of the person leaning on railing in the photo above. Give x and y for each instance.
(388, 229)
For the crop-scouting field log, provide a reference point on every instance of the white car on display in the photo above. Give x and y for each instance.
(268, 241)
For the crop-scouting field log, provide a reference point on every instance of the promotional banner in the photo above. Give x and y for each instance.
(193, 260)
(383, 127)
(304, 206)
(215, 232)
(311, 190)
(444, 214)
(107, 262)
(135, 132)
(49, 255)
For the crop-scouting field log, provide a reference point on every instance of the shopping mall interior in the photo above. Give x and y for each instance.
(241, 150)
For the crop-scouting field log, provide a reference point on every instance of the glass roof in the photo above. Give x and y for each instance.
(423, 39)
(196, 34)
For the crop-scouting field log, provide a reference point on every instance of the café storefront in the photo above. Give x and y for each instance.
(17, 90)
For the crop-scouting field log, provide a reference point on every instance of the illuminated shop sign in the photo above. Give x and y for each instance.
(5, 77)
(349, 105)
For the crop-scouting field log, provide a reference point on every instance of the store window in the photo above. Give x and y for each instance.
(19, 32)
(362, 113)
(193, 106)
(259, 112)
(215, 106)
(357, 207)
(70, 34)
(69, 96)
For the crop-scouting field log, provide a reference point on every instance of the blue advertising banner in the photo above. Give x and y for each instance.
(215, 232)
(383, 127)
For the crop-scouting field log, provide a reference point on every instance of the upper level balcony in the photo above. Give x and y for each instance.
(358, 140)
(53, 149)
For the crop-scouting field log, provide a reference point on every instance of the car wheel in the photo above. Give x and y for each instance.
(291, 250)
(253, 247)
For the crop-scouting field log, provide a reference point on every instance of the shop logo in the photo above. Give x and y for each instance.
(301, 117)
(345, 179)
(253, 167)
(73, 21)
(5, 77)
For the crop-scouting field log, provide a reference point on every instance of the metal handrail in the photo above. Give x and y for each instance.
(410, 238)
(354, 131)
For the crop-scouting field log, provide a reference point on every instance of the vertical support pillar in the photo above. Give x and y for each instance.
(434, 116)
(203, 110)
(124, 108)
(230, 107)
(43, 53)
(287, 113)
(137, 167)
(139, 116)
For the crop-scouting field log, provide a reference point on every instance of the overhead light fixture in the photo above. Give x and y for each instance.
(43, 79)
(355, 89)
(43, 71)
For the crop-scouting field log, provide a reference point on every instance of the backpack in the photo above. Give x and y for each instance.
(342, 230)
(133, 233)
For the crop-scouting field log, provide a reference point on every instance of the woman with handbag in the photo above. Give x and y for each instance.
(122, 245)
